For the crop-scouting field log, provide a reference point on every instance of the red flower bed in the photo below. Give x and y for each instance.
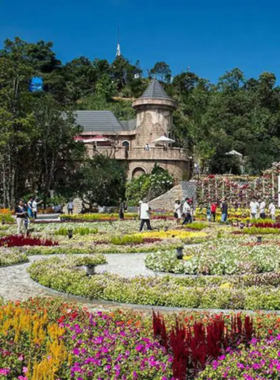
(20, 241)
(193, 347)
(267, 225)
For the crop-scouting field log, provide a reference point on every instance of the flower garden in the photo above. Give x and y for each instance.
(226, 284)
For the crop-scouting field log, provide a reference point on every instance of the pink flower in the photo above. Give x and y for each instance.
(4, 371)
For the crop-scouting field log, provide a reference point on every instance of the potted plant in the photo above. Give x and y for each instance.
(90, 262)
(90, 269)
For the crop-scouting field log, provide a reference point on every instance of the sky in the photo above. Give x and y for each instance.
(210, 37)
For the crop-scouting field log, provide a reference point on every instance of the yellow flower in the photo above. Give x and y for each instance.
(226, 285)
(186, 258)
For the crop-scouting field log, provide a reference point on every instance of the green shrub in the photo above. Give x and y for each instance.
(198, 226)
(90, 260)
(261, 231)
(149, 186)
(76, 231)
(126, 239)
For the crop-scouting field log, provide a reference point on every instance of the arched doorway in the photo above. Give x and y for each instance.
(137, 172)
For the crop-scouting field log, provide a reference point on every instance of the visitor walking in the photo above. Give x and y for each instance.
(21, 216)
(224, 208)
(177, 210)
(121, 209)
(213, 211)
(145, 215)
(35, 204)
(187, 212)
(254, 206)
(29, 207)
(208, 212)
(272, 210)
(139, 209)
(70, 207)
(262, 209)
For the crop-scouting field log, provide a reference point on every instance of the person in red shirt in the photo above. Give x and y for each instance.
(213, 211)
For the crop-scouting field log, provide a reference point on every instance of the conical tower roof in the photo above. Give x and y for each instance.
(155, 91)
(155, 95)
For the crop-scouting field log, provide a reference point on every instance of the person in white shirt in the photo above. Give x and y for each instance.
(272, 210)
(254, 206)
(145, 214)
(262, 210)
(187, 212)
(177, 210)
(35, 204)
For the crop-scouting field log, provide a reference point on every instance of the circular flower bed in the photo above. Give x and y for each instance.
(218, 258)
(224, 292)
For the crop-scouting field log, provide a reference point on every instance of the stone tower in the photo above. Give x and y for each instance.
(154, 114)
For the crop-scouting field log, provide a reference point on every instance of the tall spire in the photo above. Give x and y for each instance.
(118, 45)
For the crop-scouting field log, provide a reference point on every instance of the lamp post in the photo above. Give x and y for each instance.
(70, 234)
(179, 253)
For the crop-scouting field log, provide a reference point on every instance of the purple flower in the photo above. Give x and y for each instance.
(76, 351)
(139, 347)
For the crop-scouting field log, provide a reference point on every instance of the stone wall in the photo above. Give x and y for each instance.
(186, 189)
(77, 206)
(167, 200)
(178, 169)
(152, 124)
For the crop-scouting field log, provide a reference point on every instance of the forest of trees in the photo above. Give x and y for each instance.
(37, 129)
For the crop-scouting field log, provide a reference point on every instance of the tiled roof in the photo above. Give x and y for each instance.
(155, 91)
(101, 121)
(128, 125)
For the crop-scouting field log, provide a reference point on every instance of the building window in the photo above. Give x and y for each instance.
(125, 144)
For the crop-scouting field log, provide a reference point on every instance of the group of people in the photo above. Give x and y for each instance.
(185, 210)
(32, 207)
(258, 209)
(24, 211)
(212, 208)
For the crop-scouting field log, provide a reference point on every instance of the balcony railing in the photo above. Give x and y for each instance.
(154, 153)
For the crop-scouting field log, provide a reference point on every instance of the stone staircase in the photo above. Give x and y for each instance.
(182, 191)
(47, 218)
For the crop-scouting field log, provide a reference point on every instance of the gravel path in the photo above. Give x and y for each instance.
(126, 265)
(15, 283)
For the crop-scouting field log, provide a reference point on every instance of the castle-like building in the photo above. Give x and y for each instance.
(133, 141)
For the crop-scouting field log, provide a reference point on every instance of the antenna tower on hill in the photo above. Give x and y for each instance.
(118, 45)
